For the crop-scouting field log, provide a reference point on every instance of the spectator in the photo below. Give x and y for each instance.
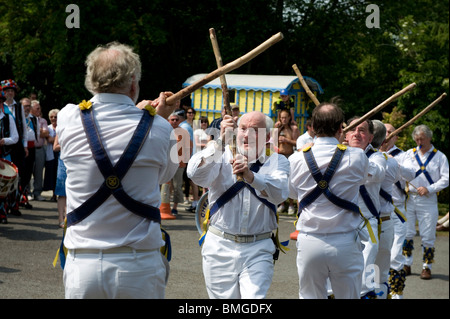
(307, 137)
(183, 150)
(284, 102)
(40, 148)
(190, 115)
(200, 136)
(235, 111)
(287, 138)
(51, 157)
(60, 187)
(32, 135)
(19, 150)
(188, 184)
(7, 137)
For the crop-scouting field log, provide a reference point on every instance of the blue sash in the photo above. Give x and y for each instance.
(388, 197)
(365, 194)
(229, 194)
(397, 183)
(235, 188)
(423, 166)
(114, 174)
(324, 180)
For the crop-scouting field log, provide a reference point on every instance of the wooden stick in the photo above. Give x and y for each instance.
(379, 107)
(419, 115)
(225, 69)
(305, 85)
(223, 80)
(226, 100)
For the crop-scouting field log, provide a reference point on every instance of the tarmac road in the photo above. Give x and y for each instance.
(28, 245)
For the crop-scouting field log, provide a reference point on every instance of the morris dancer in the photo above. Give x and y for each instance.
(392, 175)
(431, 168)
(113, 235)
(325, 178)
(238, 248)
(396, 273)
(369, 199)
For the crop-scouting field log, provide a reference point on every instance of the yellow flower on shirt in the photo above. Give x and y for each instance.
(85, 105)
(150, 109)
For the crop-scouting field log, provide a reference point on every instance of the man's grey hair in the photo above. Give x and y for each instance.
(422, 129)
(379, 133)
(112, 68)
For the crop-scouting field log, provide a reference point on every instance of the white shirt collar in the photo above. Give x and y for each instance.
(325, 140)
(112, 98)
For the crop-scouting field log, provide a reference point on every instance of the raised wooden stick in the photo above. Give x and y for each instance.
(379, 107)
(419, 115)
(226, 68)
(223, 80)
(305, 85)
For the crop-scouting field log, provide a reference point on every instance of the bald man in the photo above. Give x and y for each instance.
(238, 247)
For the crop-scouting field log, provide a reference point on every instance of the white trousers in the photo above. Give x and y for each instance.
(336, 257)
(397, 258)
(383, 258)
(424, 210)
(370, 251)
(237, 270)
(136, 275)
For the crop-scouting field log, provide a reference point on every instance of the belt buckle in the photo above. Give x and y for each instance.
(237, 239)
(240, 239)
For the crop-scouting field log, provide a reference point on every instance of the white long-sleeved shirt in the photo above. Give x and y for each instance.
(406, 174)
(112, 225)
(392, 175)
(31, 135)
(437, 168)
(322, 216)
(13, 108)
(13, 137)
(244, 214)
(376, 175)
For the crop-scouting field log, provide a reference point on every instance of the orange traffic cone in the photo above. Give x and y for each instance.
(165, 202)
(294, 235)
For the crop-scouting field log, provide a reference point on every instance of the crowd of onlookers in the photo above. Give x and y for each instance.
(27, 141)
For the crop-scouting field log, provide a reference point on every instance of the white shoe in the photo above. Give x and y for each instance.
(291, 210)
(280, 209)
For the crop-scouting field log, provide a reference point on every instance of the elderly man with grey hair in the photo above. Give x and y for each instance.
(113, 232)
(431, 168)
(239, 246)
(369, 199)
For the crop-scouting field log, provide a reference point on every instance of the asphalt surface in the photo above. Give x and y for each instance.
(28, 245)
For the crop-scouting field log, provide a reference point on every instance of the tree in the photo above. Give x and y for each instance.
(327, 39)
